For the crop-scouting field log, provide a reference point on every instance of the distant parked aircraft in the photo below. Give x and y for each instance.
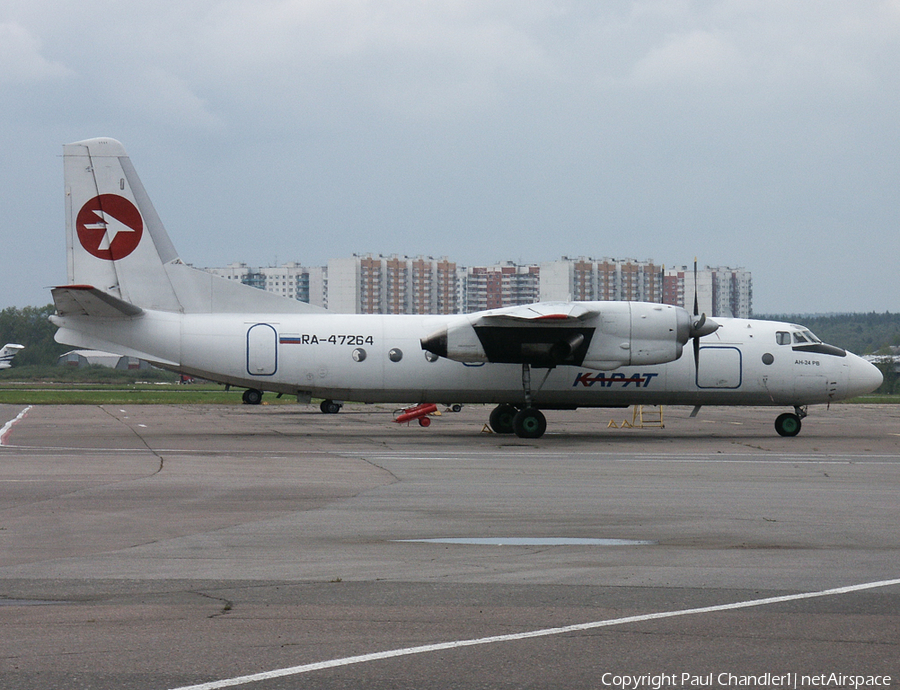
(9, 351)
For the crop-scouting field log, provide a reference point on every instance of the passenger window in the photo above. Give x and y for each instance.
(783, 338)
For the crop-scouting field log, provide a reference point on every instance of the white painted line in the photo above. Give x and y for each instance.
(750, 457)
(424, 649)
(4, 432)
(527, 541)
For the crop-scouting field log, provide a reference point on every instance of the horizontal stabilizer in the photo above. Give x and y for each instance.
(85, 300)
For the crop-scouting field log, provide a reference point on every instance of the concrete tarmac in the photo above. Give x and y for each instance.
(276, 547)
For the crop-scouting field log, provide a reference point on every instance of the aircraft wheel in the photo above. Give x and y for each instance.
(252, 396)
(501, 419)
(529, 423)
(329, 407)
(788, 424)
(456, 407)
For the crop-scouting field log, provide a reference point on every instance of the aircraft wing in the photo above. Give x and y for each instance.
(541, 311)
(86, 300)
(541, 334)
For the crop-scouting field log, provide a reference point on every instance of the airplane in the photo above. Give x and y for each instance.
(9, 351)
(129, 292)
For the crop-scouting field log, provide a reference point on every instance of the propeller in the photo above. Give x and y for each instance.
(696, 302)
(700, 324)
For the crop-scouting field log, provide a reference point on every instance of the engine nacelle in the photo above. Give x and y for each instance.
(458, 341)
(632, 333)
(603, 335)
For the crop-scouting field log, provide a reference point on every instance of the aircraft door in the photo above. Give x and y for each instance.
(720, 367)
(262, 350)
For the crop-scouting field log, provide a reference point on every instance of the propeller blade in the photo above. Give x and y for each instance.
(698, 324)
(696, 303)
(699, 328)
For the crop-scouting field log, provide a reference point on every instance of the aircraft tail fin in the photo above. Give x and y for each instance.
(115, 240)
(117, 244)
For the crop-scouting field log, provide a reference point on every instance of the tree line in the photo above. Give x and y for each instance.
(31, 327)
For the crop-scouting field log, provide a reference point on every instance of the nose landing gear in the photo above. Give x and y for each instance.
(252, 396)
(788, 424)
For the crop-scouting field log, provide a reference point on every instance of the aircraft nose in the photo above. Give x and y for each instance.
(864, 377)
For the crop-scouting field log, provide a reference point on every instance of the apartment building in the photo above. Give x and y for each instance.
(589, 279)
(721, 291)
(397, 284)
(289, 280)
(501, 285)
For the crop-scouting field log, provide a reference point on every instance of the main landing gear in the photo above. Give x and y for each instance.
(330, 407)
(529, 422)
(788, 424)
(524, 421)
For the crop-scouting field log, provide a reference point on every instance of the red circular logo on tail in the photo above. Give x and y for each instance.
(109, 226)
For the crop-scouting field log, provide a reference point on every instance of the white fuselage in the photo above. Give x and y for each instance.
(369, 358)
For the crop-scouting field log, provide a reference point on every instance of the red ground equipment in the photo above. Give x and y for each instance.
(419, 412)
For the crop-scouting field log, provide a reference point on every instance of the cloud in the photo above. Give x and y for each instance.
(21, 61)
(698, 57)
(405, 59)
(831, 45)
(479, 128)
(165, 97)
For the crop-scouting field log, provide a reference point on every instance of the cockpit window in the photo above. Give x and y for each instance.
(800, 338)
(809, 336)
(783, 338)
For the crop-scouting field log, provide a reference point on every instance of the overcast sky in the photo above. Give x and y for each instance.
(757, 134)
